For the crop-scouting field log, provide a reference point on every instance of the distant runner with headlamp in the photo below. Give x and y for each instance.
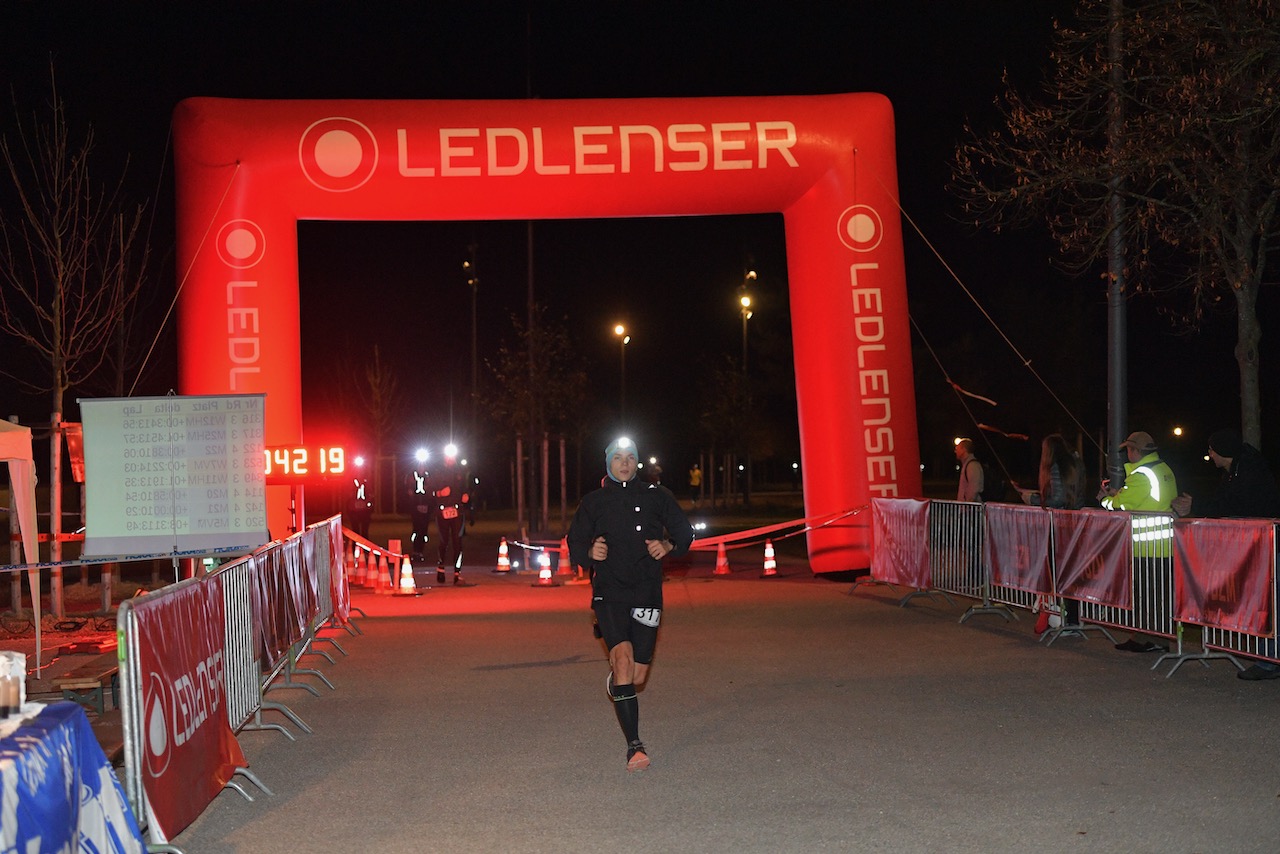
(623, 531)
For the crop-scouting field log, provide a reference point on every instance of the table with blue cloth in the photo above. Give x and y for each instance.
(58, 792)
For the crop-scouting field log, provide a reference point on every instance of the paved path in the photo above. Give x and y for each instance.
(782, 715)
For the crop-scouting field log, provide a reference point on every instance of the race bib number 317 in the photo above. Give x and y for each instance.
(647, 616)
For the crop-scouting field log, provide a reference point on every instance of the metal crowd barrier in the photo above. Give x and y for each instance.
(1213, 638)
(956, 532)
(245, 676)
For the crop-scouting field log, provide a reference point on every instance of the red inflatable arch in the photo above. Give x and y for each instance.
(247, 171)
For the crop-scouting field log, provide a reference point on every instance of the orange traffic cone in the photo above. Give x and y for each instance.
(564, 567)
(544, 572)
(770, 565)
(407, 586)
(357, 578)
(366, 571)
(722, 562)
(352, 561)
(504, 563)
(384, 574)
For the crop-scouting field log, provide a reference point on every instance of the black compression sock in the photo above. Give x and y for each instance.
(627, 707)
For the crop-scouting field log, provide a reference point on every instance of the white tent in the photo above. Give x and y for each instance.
(15, 448)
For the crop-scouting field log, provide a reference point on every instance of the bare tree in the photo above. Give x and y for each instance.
(69, 258)
(1196, 159)
(69, 271)
(558, 388)
(381, 401)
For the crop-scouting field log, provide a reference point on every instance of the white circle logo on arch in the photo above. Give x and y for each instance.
(241, 244)
(860, 228)
(338, 154)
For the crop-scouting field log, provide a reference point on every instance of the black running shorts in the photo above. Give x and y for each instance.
(619, 622)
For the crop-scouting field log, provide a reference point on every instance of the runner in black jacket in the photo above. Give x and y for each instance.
(623, 531)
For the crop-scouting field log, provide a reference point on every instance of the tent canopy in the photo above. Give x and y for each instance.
(15, 448)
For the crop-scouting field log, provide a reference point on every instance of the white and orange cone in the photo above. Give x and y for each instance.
(564, 567)
(407, 587)
(384, 574)
(544, 572)
(770, 564)
(722, 562)
(504, 561)
(353, 564)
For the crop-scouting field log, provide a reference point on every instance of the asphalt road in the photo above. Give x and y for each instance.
(782, 715)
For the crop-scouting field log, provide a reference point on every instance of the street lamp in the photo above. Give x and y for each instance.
(623, 340)
(473, 281)
(744, 299)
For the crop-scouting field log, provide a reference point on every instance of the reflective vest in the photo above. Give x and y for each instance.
(1149, 485)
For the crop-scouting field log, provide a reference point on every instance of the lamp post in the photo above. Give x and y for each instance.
(473, 281)
(623, 340)
(744, 299)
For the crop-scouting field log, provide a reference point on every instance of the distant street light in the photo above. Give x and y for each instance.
(745, 299)
(473, 281)
(623, 340)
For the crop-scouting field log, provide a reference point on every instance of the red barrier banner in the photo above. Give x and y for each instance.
(313, 555)
(339, 584)
(275, 609)
(302, 586)
(1092, 551)
(900, 542)
(1223, 573)
(1017, 547)
(189, 751)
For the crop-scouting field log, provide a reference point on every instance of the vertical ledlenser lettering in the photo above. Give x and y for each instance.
(873, 382)
(244, 349)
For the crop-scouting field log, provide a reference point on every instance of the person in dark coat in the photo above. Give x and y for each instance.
(623, 531)
(1248, 490)
(451, 489)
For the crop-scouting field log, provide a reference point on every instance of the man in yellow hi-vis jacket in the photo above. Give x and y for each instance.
(1148, 491)
(1149, 483)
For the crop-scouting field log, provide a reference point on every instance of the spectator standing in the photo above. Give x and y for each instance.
(1062, 483)
(971, 482)
(1149, 485)
(1248, 490)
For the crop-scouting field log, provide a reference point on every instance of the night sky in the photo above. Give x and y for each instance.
(123, 67)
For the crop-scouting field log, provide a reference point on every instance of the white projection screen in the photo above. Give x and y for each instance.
(176, 474)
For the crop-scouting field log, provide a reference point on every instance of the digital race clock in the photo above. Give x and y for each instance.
(296, 464)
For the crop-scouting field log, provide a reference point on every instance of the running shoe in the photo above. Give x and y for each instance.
(637, 759)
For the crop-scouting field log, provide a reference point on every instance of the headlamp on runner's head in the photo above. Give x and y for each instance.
(623, 444)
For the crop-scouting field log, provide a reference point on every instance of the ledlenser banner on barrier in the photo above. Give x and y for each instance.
(189, 751)
(1092, 551)
(1017, 547)
(1223, 571)
(900, 555)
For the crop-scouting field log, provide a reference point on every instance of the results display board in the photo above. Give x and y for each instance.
(166, 474)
